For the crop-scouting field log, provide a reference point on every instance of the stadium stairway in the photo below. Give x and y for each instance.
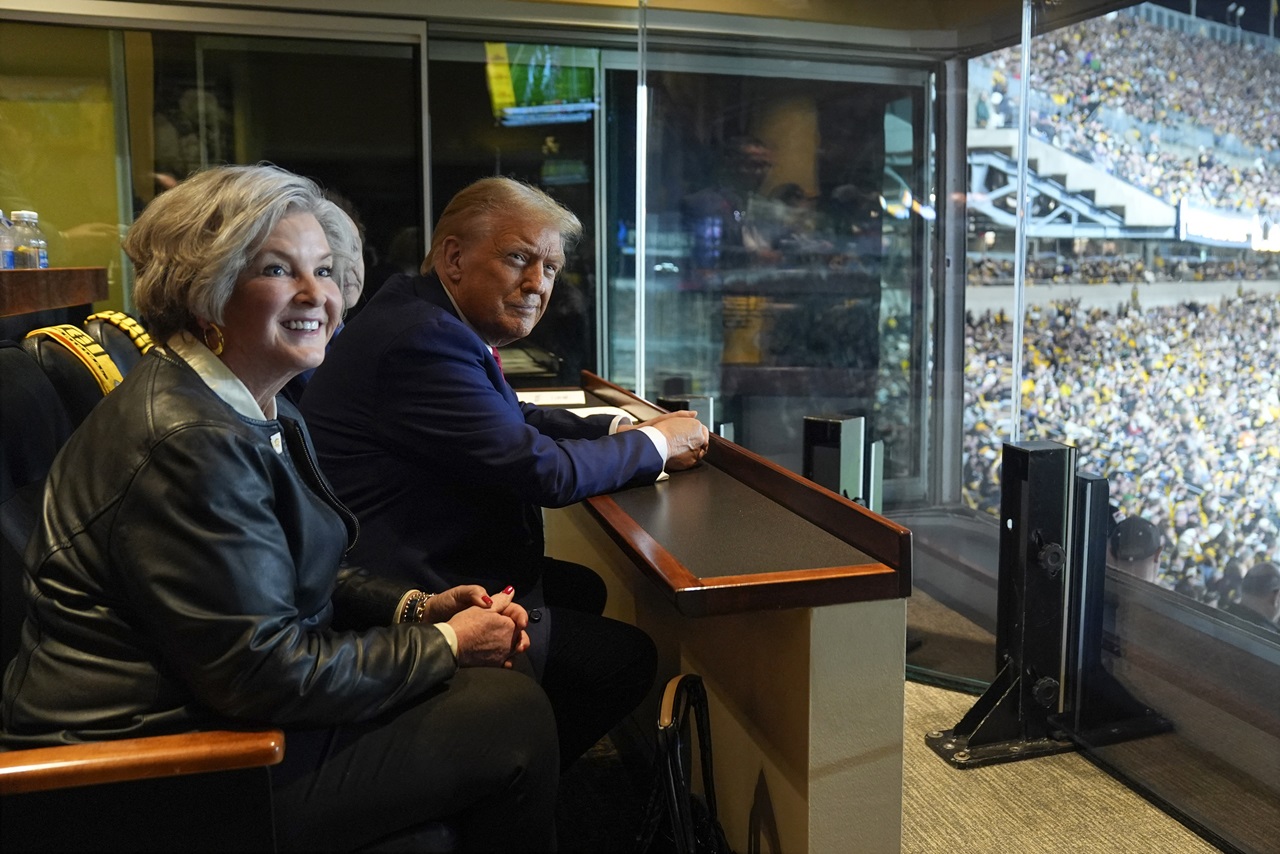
(1096, 192)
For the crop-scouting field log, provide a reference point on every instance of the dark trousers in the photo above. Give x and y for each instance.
(479, 752)
(597, 670)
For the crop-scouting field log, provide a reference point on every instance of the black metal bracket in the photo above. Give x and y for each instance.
(992, 731)
(1012, 719)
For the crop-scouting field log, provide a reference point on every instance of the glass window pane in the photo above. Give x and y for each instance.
(1152, 292)
(79, 103)
(787, 235)
(304, 104)
(58, 141)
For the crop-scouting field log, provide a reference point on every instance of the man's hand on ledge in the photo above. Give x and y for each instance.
(687, 438)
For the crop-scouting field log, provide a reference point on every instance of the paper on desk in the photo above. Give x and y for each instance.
(584, 411)
(554, 397)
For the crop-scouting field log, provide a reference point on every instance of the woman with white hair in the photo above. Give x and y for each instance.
(186, 572)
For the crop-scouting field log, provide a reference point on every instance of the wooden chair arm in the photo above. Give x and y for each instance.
(43, 768)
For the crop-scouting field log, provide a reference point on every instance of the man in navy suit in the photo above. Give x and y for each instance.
(424, 439)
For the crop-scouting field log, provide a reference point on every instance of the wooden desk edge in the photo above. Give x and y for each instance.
(695, 596)
(24, 291)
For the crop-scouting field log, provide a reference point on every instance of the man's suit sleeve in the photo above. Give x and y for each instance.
(445, 405)
(563, 424)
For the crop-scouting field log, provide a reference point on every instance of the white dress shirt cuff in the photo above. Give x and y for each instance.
(659, 441)
(655, 436)
(449, 635)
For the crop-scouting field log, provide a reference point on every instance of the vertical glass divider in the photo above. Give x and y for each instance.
(642, 206)
(1020, 233)
(120, 262)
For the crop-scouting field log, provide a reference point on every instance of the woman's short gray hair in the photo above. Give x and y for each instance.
(477, 205)
(192, 242)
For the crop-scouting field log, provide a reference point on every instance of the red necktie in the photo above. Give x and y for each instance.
(496, 357)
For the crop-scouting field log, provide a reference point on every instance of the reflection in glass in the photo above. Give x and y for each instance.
(786, 245)
(306, 105)
(59, 154)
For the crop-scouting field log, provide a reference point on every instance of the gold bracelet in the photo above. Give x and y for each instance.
(408, 605)
(420, 608)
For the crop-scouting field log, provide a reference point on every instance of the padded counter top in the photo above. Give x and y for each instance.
(739, 533)
(714, 525)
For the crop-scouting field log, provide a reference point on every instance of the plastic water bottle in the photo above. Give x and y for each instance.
(30, 249)
(6, 243)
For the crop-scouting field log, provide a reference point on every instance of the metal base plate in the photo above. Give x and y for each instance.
(956, 750)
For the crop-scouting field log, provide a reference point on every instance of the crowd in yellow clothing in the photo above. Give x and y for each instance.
(1179, 407)
(989, 270)
(1117, 90)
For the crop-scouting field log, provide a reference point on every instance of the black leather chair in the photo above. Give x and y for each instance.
(33, 426)
(196, 791)
(80, 370)
(122, 337)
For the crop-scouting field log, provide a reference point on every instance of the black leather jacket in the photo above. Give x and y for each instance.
(187, 576)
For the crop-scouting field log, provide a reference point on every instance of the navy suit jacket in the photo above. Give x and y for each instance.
(424, 439)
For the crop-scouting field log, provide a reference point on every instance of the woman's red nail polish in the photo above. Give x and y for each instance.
(487, 600)
(509, 589)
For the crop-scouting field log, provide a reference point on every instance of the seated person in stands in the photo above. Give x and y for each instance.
(1134, 547)
(186, 572)
(447, 471)
(1259, 596)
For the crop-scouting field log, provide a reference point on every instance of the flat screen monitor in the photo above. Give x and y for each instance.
(541, 84)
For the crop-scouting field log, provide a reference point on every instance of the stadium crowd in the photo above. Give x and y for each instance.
(1143, 76)
(1119, 269)
(1177, 406)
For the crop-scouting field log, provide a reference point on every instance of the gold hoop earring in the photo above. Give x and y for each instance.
(216, 347)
